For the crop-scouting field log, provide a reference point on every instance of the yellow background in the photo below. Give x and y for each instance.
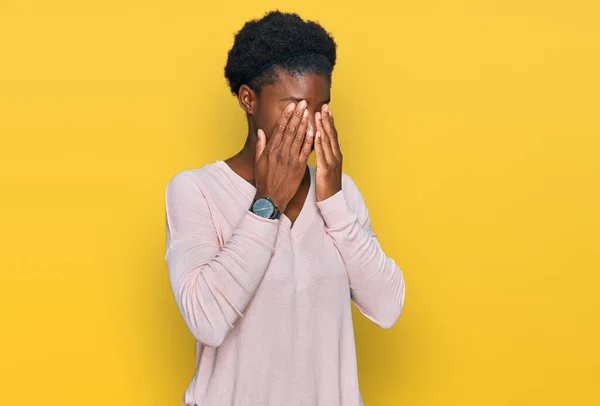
(471, 128)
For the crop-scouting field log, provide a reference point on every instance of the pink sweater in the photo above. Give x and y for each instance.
(269, 304)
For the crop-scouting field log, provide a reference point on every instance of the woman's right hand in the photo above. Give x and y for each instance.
(280, 164)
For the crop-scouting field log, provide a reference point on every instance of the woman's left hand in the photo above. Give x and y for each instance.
(328, 154)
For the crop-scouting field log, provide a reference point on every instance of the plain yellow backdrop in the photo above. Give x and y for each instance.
(471, 128)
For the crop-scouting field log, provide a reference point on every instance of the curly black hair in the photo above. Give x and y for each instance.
(277, 34)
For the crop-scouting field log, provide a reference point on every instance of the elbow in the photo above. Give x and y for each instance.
(385, 309)
(209, 337)
(205, 323)
(393, 313)
(390, 319)
(385, 318)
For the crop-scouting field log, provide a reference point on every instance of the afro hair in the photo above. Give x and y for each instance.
(277, 34)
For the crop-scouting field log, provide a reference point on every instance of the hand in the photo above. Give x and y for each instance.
(329, 156)
(280, 164)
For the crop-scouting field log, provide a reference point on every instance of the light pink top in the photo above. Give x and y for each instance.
(269, 304)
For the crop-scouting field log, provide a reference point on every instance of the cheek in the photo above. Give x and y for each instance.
(268, 121)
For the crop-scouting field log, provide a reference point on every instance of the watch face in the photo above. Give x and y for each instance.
(263, 207)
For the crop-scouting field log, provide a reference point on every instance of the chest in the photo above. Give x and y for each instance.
(305, 258)
(306, 262)
(297, 203)
(310, 264)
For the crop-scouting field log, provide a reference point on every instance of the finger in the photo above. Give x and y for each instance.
(260, 145)
(331, 131)
(292, 127)
(325, 144)
(300, 135)
(277, 137)
(321, 161)
(307, 146)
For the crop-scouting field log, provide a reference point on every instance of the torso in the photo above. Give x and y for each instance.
(297, 202)
(297, 325)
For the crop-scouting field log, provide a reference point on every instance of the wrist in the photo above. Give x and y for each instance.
(324, 195)
(264, 206)
(279, 203)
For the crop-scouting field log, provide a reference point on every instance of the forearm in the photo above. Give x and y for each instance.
(213, 282)
(376, 281)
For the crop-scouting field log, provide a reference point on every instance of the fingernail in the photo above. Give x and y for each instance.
(326, 107)
(318, 134)
(302, 103)
(318, 115)
(330, 113)
(292, 106)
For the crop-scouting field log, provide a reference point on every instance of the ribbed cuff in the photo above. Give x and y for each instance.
(260, 228)
(335, 210)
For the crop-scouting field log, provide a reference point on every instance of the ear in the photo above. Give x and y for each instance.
(247, 99)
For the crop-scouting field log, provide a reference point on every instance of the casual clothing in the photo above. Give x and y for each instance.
(269, 302)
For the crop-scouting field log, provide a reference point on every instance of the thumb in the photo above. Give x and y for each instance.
(260, 145)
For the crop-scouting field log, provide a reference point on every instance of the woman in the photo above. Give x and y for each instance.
(264, 251)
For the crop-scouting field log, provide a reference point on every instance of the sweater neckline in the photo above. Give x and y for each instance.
(242, 183)
(304, 217)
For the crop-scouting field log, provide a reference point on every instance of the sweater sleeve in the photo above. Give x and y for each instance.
(212, 282)
(376, 282)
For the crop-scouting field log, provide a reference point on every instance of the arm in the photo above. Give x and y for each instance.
(212, 283)
(376, 281)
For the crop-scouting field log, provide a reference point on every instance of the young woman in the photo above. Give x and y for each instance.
(266, 252)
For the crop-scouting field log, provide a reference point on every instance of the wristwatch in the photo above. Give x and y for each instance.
(264, 207)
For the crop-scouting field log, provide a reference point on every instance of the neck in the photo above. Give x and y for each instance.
(243, 161)
(247, 155)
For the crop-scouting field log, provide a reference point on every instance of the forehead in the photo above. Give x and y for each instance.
(312, 87)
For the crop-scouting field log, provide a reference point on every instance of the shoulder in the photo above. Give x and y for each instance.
(191, 177)
(191, 184)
